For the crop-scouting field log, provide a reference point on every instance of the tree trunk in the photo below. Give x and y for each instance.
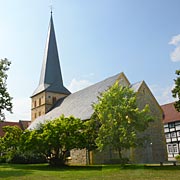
(58, 159)
(120, 154)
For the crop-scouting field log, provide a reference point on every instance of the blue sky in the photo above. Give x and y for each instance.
(96, 39)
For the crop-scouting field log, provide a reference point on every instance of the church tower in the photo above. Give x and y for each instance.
(50, 87)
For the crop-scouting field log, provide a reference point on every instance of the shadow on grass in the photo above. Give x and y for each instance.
(150, 167)
(18, 170)
(15, 174)
(7, 171)
(47, 167)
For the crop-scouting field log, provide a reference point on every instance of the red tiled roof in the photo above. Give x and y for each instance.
(21, 124)
(24, 124)
(170, 113)
(7, 124)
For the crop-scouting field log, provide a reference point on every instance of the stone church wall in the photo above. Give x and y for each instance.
(152, 151)
(78, 157)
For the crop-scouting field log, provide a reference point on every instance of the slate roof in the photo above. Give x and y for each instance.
(170, 113)
(136, 86)
(79, 104)
(51, 77)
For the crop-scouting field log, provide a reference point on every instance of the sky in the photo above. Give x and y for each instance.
(96, 39)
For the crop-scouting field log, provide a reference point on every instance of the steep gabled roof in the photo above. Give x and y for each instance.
(143, 90)
(79, 104)
(136, 86)
(51, 77)
(170, 113)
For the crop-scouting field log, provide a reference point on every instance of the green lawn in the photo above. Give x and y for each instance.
(107, 172)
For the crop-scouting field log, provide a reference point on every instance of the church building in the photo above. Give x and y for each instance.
(50, 87)
(51, 99)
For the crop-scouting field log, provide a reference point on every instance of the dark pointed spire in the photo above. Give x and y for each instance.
(51, 77)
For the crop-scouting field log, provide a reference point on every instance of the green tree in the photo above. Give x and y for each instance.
(10, 142)
(120, 119)
(176, 91)
(2, 148)
(56, 138)
(32, 142)
(91, 133)
(33, 148)
(5, 99)
(12, 146)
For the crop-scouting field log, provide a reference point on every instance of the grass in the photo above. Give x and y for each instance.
(105, 172)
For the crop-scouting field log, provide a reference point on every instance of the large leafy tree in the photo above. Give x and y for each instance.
(176, 91)
(32, 142)
(120, 119)
(52, 140)
(5, 99)
(56, 138)
(12, 146)
(10, 142)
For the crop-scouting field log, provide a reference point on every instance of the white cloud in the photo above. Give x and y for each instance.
(21, 110)
(175, 55)
(77, 85)
(175, 40)
(162, 94)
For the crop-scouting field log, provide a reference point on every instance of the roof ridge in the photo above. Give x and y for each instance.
(97, 83)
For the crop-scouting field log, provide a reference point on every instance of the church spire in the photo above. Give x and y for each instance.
(51, 77)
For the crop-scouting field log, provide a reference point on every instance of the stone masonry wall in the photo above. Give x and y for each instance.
(78, 157)
(154, 150)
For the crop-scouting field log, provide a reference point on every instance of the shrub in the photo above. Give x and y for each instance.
(177, 157)
(2, 159)
(28, 158)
